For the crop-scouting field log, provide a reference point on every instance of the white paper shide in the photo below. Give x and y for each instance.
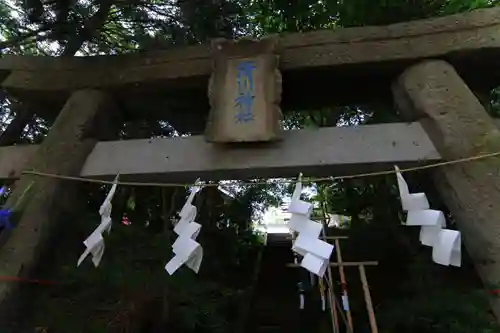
(186, 250)
(95, 242)
(316, 253)
(446, 244)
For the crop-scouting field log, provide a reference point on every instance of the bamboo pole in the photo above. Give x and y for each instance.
(325, 238)
(322, 294)
(344, 285)
(333, 308)
(343, 264)
(331, 292)
(368, 300)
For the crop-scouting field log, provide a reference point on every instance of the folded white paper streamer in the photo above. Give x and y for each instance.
(306, 244)
(446, 244)
(186, 250)
(188, 211)
(105, 209)
(302, 225)
(185, 220)
(316, 252)
(95, 242)
(447, 248)
(188, 204)
(95, 246)
(432, 222)
(315, 264)
(410, 201)
(298, 206)
(192, 230)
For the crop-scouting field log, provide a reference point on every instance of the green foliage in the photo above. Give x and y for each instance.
(305, 15)
(459, 6)
(495, 103)
(438, 311)
(126, 290)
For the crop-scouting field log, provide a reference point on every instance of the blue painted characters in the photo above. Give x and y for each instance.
(246, 89)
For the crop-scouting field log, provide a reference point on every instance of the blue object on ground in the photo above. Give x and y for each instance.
(4, 219)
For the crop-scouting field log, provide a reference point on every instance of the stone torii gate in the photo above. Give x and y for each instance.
(438, 70)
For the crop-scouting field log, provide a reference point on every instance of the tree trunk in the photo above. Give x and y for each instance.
(25, 114)
(46, 200)
(90, 28)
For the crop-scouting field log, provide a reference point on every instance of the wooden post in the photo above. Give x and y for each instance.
(369, 306)
(343, 264)
(368, 300)
(84, 120)
(333, 306)
(460, 127)
(331, 292)
(244, 91)
(344, 284)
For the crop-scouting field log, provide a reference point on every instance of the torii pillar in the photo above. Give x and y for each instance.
(460, 127)
(86, 118)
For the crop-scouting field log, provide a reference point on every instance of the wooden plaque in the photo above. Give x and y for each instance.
(244, 91)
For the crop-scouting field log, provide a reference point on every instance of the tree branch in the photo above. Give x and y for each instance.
(89, 30)
(21, 38)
